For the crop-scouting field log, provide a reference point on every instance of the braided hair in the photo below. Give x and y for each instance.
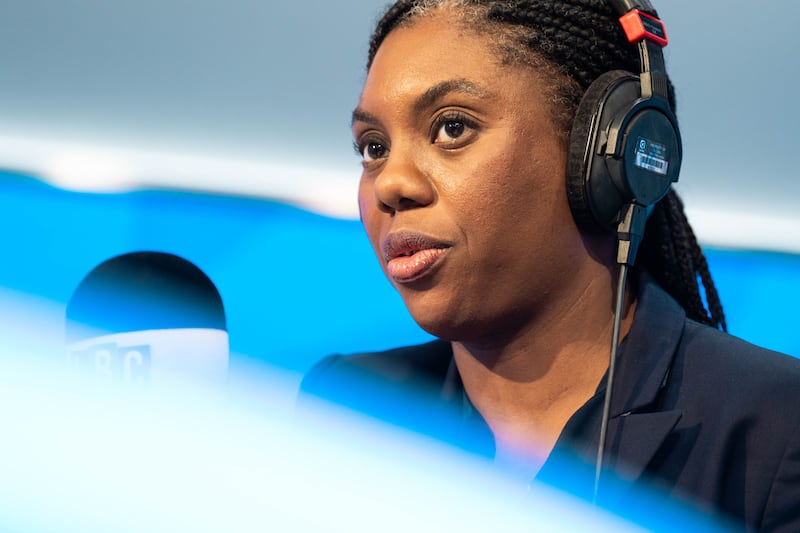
(573, 42)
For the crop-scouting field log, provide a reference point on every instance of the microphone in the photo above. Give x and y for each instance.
(143, 318)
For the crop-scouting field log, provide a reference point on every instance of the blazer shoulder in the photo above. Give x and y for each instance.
(348, 377)
(730, 364)
(404, 362)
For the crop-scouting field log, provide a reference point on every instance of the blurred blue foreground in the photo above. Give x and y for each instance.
(83, 455)
(80, 455)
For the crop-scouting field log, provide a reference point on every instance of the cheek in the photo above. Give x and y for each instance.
(513, 186)
(535, 181)
(364, 191)
(520, 201)
(369, 213)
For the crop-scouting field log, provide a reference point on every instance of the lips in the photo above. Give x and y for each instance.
(411, 256)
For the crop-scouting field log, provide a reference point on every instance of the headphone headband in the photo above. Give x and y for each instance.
(640, 22)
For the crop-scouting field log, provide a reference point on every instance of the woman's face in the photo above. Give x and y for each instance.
(462, 193)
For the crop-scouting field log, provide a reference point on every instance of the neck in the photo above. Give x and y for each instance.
(528, 384)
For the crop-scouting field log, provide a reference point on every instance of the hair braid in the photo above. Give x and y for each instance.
(573, 42)
(671, 254)
(684, 255)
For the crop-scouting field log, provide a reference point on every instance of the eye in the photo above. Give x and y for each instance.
(453, 129)
(371, 149)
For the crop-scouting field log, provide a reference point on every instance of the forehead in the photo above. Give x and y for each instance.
(431, 49)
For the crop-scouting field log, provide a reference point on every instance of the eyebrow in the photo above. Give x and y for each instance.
(444, 88)
(359, 115)
(428, 98)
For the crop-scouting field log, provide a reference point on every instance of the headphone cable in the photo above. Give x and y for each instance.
(629, 234)
(620, 298)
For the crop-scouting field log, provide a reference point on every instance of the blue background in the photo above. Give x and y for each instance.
(296, 285)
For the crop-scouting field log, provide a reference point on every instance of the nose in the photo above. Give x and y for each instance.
(402, 185)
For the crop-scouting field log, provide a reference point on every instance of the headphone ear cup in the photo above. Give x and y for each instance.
(592, 115)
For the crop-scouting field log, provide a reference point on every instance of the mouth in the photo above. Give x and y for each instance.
(411, 256)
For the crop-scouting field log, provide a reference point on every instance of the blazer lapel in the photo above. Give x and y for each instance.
(636, 438)
(638, 427)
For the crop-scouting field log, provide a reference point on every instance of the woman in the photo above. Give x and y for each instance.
(470, 123)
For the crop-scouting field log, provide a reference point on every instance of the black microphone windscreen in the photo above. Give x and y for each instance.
(144, 291)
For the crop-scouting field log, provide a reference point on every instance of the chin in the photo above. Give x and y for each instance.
(447, 314)
(435, 318)
(446, 325)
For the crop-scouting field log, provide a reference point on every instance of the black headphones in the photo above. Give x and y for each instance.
(625, 147)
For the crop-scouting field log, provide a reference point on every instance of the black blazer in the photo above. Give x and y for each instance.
(697, 413)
